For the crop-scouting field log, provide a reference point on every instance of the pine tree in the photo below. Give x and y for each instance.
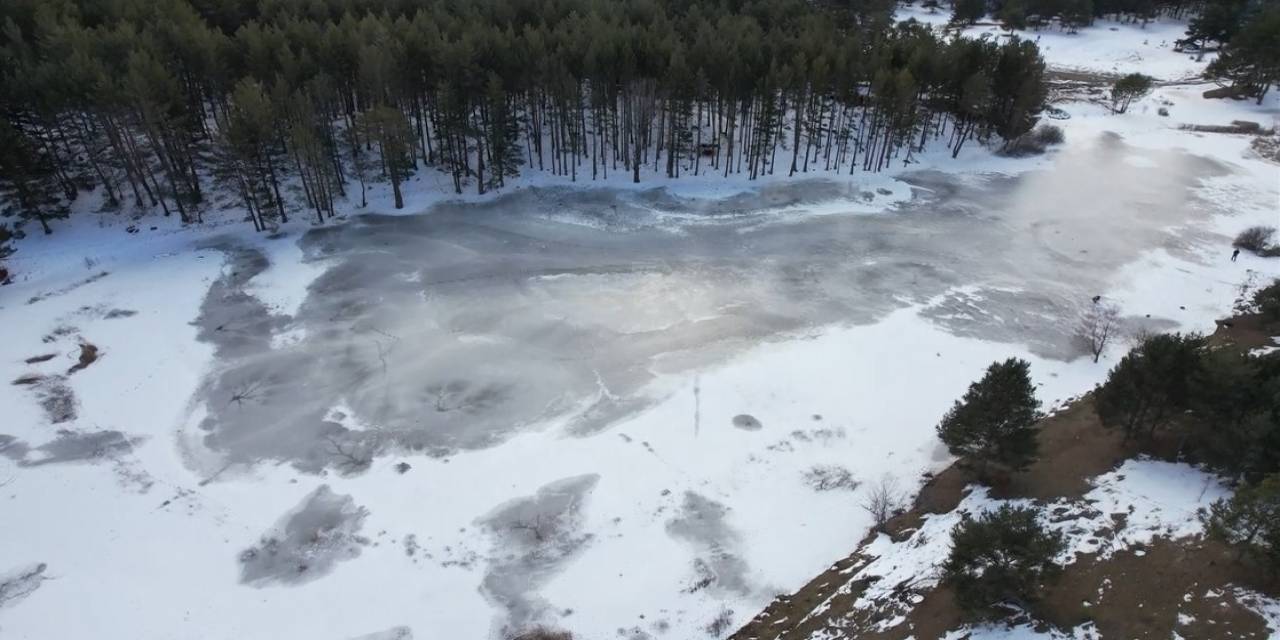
(1150, 384)
(1013, 15)
(968, 11)
(1076, 14)
(390, 131)
(253, 131)
(28, 188)
(1217, 22)
(1127, 89)
(1001, 558)
(993, 425)
(1249, 521)
(1251, 59)
(503, 134)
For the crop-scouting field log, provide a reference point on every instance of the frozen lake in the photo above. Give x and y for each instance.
(456, 329)
(626, 413)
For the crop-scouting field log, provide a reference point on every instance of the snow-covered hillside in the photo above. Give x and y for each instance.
(625, 411)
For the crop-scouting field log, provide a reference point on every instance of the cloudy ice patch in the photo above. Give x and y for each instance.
(112, 448)
(534, 537)
(54, 396)
(78, 446)
(308, 543)
(702, 523)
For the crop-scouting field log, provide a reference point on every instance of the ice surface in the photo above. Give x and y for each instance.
(457, 329)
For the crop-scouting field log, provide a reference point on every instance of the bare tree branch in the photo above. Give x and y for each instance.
(350, 456)
(1098, 326)
(248, 391)
(883, 500)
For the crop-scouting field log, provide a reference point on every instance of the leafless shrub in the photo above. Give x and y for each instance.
(539, 528)
(1098, 327)
(1255, 239)
(883, 500)
(246, 391)
(350, 456)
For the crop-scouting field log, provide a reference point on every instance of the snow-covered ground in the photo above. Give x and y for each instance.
(1150, 499)
(1108, 47)
(1157, 499)
(625, 412)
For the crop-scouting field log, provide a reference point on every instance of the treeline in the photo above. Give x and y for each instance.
(156, 100)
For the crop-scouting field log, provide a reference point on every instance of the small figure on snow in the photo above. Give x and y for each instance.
(1235, 254)
(1096, 299)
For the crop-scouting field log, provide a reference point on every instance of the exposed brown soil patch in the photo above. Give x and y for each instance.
(1244, 333)
(1134, 594)
(89, 354)
(1141, 593)
(1077, 449)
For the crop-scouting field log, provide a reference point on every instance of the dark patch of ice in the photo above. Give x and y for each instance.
(534, 538)
(308, 542)
(87, 446)
(702, 523)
